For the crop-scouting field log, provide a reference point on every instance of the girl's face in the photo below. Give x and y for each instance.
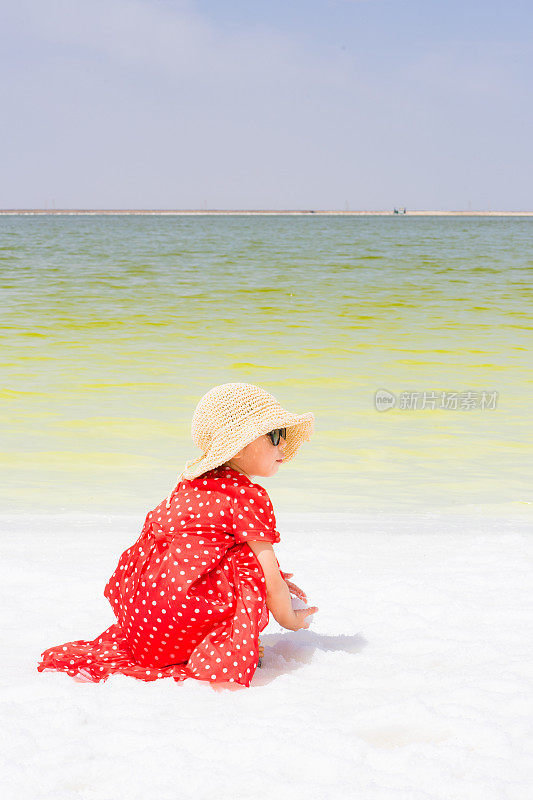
(260, 457)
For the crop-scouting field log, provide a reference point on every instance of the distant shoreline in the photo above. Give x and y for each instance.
(217, 212)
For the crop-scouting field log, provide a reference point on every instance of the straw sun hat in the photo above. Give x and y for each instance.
(230, 416)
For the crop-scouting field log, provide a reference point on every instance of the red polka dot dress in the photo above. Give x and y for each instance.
(189, 596)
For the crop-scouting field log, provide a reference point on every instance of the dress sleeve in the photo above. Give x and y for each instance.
(253, 515)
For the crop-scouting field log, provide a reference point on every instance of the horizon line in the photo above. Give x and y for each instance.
(401, 211)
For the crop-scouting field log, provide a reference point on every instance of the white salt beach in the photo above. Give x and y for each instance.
(413, 681)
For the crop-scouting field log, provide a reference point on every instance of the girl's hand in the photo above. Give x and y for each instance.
(294, 590)
(301, 617)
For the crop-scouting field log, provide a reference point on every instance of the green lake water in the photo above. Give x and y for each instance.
(113, 327)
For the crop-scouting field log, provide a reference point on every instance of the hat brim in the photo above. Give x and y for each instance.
(299, 429)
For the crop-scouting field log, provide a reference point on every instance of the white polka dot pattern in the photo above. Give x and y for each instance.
(188, 595)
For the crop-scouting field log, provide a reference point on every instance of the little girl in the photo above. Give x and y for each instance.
(192, 594)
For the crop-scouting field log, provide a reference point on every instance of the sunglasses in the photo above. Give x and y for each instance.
(275, 435)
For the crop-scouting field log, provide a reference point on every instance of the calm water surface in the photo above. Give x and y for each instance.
(114, 326)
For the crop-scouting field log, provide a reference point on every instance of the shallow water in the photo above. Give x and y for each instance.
(114, 326)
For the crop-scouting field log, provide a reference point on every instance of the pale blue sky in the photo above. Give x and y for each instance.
(360, 104)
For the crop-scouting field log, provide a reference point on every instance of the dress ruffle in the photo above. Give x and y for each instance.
(94, 661)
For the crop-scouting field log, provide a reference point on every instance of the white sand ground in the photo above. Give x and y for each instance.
(412, 683)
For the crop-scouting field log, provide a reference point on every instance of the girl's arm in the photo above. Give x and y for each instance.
(280, 605)
(278, 598)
